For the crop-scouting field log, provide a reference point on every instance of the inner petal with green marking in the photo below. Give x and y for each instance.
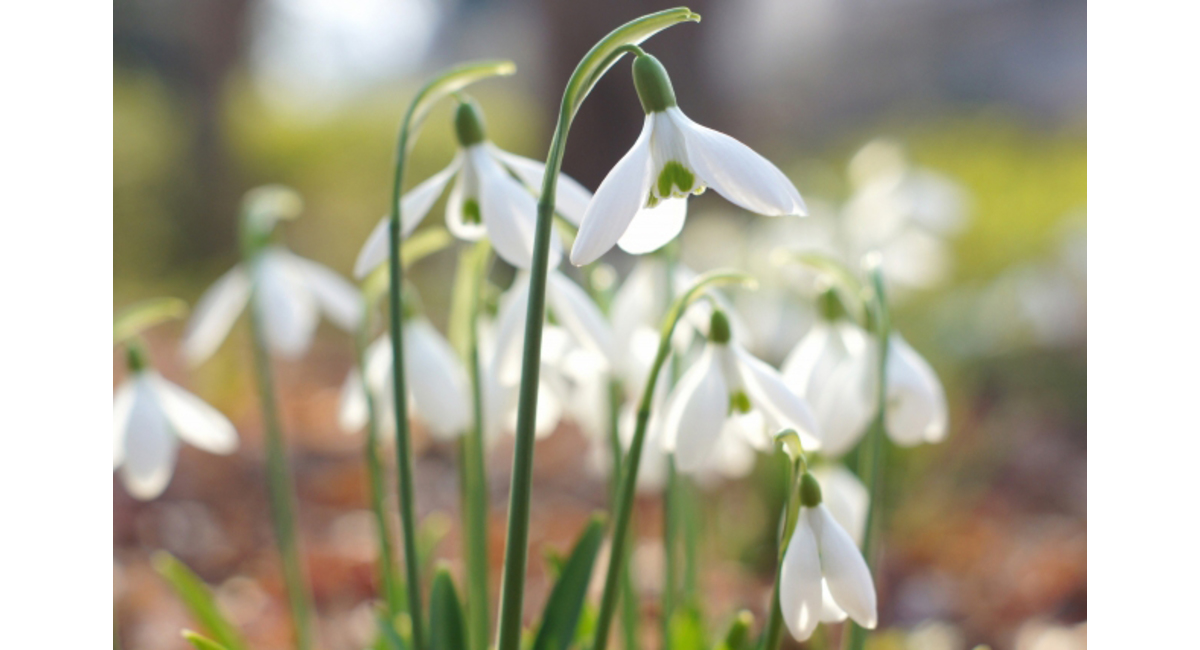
(739, 402)
(471, 213)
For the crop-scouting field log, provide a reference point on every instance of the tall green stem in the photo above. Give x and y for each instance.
(594, 64)
(774, 630)
(629, 467)
(872, 454)
(279, 484)
(629, 597)
(436, 89)
(375, 479)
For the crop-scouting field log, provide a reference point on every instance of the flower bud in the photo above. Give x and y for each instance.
(468, 124)
(718, 328)
(653, 84)
(810, 491)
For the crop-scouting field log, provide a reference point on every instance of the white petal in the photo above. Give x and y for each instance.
(845, 496)
(150, 447)
(193, 420)
(466, 186)
(736, 172)
(509, 212)
(510, 328)
(416, 203)
(352, 405)
(570, 198)
(288, 309)
(375, 250)
(830, 612)
(436, 379)
(766, 390)
(576, 311)
(215, 314)
(845, 404)
(622, 193)
(653, 228)
(122, 407)
(916, 400)
(800, 581)
(810, 363)
(339, 299)
(696, 412)
(844, 568)
(552, 398)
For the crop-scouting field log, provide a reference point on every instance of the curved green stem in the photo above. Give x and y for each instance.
(872, 454)
(629, 467)
(594, 64)
(429, 94)
(774, 630)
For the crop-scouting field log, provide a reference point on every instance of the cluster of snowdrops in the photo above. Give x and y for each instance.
(653, 368)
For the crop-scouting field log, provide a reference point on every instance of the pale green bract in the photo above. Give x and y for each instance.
(141, 316)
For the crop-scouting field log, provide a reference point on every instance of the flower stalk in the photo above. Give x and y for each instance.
(418, 110)
(594, 64)
(629, 467)
(797, 465)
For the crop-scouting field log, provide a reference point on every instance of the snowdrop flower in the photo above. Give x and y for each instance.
(150, 416)
(500, 394)
(729, 392)
(494, 193)
(834, 368)
(290, 293)
(822, 561)
(436, 380)
(642, 203)
(846, 497)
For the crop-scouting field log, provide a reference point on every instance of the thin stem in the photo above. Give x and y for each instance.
(629, 468)
(670, 535)
(280, 486)
(774, 630)
(375, 479)
(872, 454)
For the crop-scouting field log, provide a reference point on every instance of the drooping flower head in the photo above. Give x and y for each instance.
(150, 416)
(728, 391)
(823, 577)
(642, 203)
(494, 194)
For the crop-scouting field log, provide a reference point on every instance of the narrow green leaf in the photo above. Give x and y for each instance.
(447, 625)
(738, 636)
(608, 51)
(687, 629)
(198, 600)
(140, 316)
(565, 604)
(452, 81)
(389, 638)
(201, 642)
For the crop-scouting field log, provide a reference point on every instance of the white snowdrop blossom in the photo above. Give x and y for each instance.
(729, 392)
(494, 193)
(435, 378)
(290, 293)
(642, 203)
(823, 577)
(150, 416)
(834, 368)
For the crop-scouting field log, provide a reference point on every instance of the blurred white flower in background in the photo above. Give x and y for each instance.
(846, 497)
(291, 294)
(150, 416)
(434, 376)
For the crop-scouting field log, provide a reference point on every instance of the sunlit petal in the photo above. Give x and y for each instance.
(352, 404)
(622, 193)
(339, 299)
(436, 379)
(767, 392)
(570, 198)
(696, 411)
(800, 581)
(123, 400)
(192, 419)
(150, 447)
(375, 250)
(653, 228)
(576, 311)
(289, 310)
(916, 400)
(844, 568)
(845, 496)
(215, 314)
(509, 212)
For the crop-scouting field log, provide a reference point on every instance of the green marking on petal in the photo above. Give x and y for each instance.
(739, 402)
(471, 214)
(675, 175)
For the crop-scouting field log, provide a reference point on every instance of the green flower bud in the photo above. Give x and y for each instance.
(810, 491)
(653, 84)
(468, 123)
(738, 636)
(718, 328)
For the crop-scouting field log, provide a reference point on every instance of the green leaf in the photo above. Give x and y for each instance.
(201, 642)
(609, 50)
(389, 638)
(687, 629)
(450, 82)
(446, 622)
(140, 316)
(198, 600)
(738, 636)
(563, 608)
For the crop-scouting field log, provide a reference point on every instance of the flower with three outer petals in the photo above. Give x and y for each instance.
(834, 368)
(642, 203)
(290, 293)
(823, 577)
(494, 193)
(150, 416)
(727, 392)
(436, 381)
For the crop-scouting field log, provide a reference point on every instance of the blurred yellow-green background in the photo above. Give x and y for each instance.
(985, 540)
